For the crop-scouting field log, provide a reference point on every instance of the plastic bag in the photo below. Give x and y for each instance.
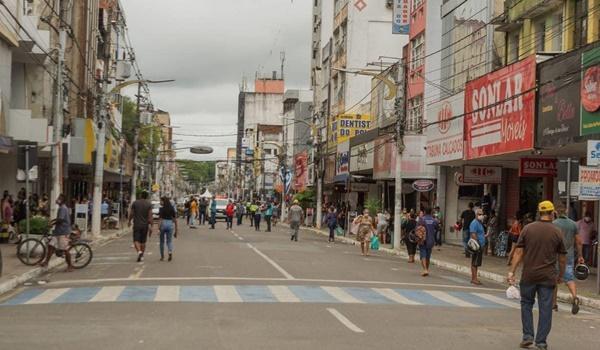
(339, 231)
(513, 292)
(374, 243)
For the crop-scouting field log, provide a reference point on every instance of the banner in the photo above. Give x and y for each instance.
(384, 164)
(558, 102)
(347, 126)
(482, 174)
(300, 171)
(445, 138)
(343, 159)
(361, 157)
(589, 183)
(499, 111)
(401, 16)
(538, 167)
(590, 92)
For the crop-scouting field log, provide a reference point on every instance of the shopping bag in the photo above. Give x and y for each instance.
(339, 231)
(513, 293)
(374, 243)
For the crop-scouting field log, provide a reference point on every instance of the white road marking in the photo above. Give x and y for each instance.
(240, 238)
(286, 274)
(167, 293)
(396, 297)
(449, 298)
(342, 295)
(498, 300)
(108, 294)
(345, 321)
(137, 272)
(227, 294)
(283, 294)
(48, 296)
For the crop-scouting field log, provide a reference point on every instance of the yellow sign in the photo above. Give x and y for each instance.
(346, 126)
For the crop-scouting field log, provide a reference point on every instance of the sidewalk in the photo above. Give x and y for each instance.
(15, 273)
(452, 258)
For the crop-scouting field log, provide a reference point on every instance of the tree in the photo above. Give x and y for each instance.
(130, 119)
(198, 172)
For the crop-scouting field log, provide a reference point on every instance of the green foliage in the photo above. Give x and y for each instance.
(130, 119)
(38, 225)
(306, 198)
(150, 140)
(374, 206)
(199, 173)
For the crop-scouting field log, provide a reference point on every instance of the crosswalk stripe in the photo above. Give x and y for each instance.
(342, 295)
(283, 294)
(48, 296)
(396, 297)
(107, 294)
(227, 294)
(449, 298)
(498, 300)
(167, 293)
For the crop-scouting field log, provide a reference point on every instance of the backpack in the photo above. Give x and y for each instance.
(420, 234)
(229, 210)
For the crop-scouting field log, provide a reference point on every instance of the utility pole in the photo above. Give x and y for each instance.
(284, 174)
(136, 141)
(400, 112)
(58, 105)
(317, 161)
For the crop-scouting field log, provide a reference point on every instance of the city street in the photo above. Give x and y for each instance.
(243, 289)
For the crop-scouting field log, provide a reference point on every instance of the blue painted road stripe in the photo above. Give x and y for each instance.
(197, 294)
(77, 295)
(368, 296)
(421, 297)
(310, 294)
(134, 293)
(474, 299)
(24, 296)
(255, 294)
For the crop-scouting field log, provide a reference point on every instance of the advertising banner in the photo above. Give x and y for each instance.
(445, 138)
(482, 174)
(589, 183)
(300, 171)
(384, 164)
(558, 102)
(590, 92)
(593, 153)
(343, 159)
(499, 111)
(361, 157)
(401, 13)
(538, 167)
(346, 126)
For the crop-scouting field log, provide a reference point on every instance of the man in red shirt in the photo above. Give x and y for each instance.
(229, 212)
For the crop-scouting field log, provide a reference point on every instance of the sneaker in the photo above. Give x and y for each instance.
(525, 344)
(541, 347)
(139, 258)
(575, 306)
(170, 256)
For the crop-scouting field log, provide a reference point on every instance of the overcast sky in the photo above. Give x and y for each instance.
(207, 46)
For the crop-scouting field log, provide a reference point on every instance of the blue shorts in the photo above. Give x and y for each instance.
(424, 252)
(569, 270)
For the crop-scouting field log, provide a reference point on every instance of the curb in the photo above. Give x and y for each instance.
(465, 270)
(14, 282)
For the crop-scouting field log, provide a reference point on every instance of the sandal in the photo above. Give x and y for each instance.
(575, 306)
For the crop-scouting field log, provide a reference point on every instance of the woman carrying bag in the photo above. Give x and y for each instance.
(366, 226)
(331, 221)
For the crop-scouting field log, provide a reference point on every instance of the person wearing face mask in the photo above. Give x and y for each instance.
(60, 235)
(366, 226)
(586, 229)
(478, 233)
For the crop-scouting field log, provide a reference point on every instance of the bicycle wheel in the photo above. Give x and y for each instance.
(31, 251)
(81, 255)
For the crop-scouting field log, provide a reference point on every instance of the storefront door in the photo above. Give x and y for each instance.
(531, 193)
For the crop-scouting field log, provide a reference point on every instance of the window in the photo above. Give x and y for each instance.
(580, 23)
(417, 50)
(540, 35)
(415, 115)
(558, 32)
(513, 49)
(316, 3)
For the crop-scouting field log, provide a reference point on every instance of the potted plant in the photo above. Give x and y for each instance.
(38, 225)
(374, 206)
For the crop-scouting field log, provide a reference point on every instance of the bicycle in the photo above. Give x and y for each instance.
(32, 251)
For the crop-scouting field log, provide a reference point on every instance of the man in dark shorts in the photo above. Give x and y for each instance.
(141, 215)
(478, 233)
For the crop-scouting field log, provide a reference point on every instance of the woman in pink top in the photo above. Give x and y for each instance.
(586, 231)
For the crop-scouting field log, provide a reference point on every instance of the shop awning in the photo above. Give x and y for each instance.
(6, 144)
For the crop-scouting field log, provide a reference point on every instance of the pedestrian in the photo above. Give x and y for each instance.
(44, 206)
(275, 214)
(60, 236)
(366, 226)
(168, 227)
(104, 209)
(3, 204)
(477, 233)
(268, 215)
(587, 232)
(240, 210)
(202, 206)
(426, 246)
(253, 209)
(249, 215)
(408, 229)
(572, 241)
(193, 212)
(331, 221)
(295, 217)
(187, 211)
(492, 233)
(141, 216)
(383, 218)
(466, 217)
(213, 212)
(514, 232)
(229, 213)
(539, 249)
(437, 214)
(257, 215)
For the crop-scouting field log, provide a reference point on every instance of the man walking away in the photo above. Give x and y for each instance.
(257, 216)
(478, 234)
(268, 216)
(425, 248)
(296, 215)
(466, 217)
(141, 216)
(229, 212)
(202, 211)
(193, 213)
(571, 240)
(239, 212)
(60, 236)
(539, 248)
(213, 213)
(331, 221)
(253, 209)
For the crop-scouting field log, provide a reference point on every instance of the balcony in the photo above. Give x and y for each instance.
(34, 44)
(522, 9)
(22, 127)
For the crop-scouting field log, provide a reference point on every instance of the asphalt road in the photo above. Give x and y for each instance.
(243, 289)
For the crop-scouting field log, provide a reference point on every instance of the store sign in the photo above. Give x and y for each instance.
(343, 159)
(361, 157)
(482, 174)
(590, 92)
(414, 159)
(359, 187)
(459, 179)
(347, 126)
(401, 16)
(589, 183)
(538, 167)
(423, 185)
(558, 103)
(300, 171)
(384, 164)
(445, 137)
(499, 111)
(593, 153)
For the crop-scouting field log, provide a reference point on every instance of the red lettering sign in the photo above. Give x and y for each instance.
(499, 111)
(538, 167)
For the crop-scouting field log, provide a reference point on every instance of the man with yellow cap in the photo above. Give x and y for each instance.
(539, 248)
